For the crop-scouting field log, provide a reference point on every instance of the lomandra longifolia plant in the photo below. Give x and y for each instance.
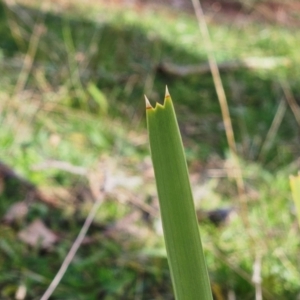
(181, 233)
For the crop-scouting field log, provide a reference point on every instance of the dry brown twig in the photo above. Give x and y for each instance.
(237, 171)
(291, 100)
(213, 66)
(60, 165)
(251, 63)
(68, 259)
(27, 64)
(224, 108)
(273, 128)
(37, 32)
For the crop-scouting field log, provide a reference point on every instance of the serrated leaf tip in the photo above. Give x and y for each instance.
(148, 105)
(167, 94)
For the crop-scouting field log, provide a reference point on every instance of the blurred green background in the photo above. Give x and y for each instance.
(73, 76)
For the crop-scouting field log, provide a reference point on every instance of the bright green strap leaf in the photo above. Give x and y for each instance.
(182, 238)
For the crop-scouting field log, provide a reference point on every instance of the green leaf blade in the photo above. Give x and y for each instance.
(183, 244)
(295, 187)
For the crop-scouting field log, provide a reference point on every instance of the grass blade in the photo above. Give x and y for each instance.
(295, 186)
(185, 255)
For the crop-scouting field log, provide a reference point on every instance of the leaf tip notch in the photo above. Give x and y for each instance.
(148, 105)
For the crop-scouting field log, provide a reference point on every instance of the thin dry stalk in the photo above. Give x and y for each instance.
(15, 29)
(216, 75)
(251, 63)
(256, 278)
(238, 176)
(38, 30)
(75, 78)
(243, 274)
(224, 107)
(273, 129)
(61, 165)
(291, 100)
(28, 61)
(68, 259)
